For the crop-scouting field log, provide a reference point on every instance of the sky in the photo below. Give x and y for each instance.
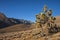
(27, 9)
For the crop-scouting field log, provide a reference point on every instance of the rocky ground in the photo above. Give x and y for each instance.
(34, 34)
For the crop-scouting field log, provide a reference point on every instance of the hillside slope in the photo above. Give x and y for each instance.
(18, 27)
(57, 20)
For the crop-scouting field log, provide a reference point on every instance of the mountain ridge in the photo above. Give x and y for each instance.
(5, 21)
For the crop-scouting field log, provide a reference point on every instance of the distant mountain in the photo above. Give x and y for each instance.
(5, 21)
(2, 17)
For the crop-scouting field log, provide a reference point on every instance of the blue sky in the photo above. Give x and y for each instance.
(27, 9)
